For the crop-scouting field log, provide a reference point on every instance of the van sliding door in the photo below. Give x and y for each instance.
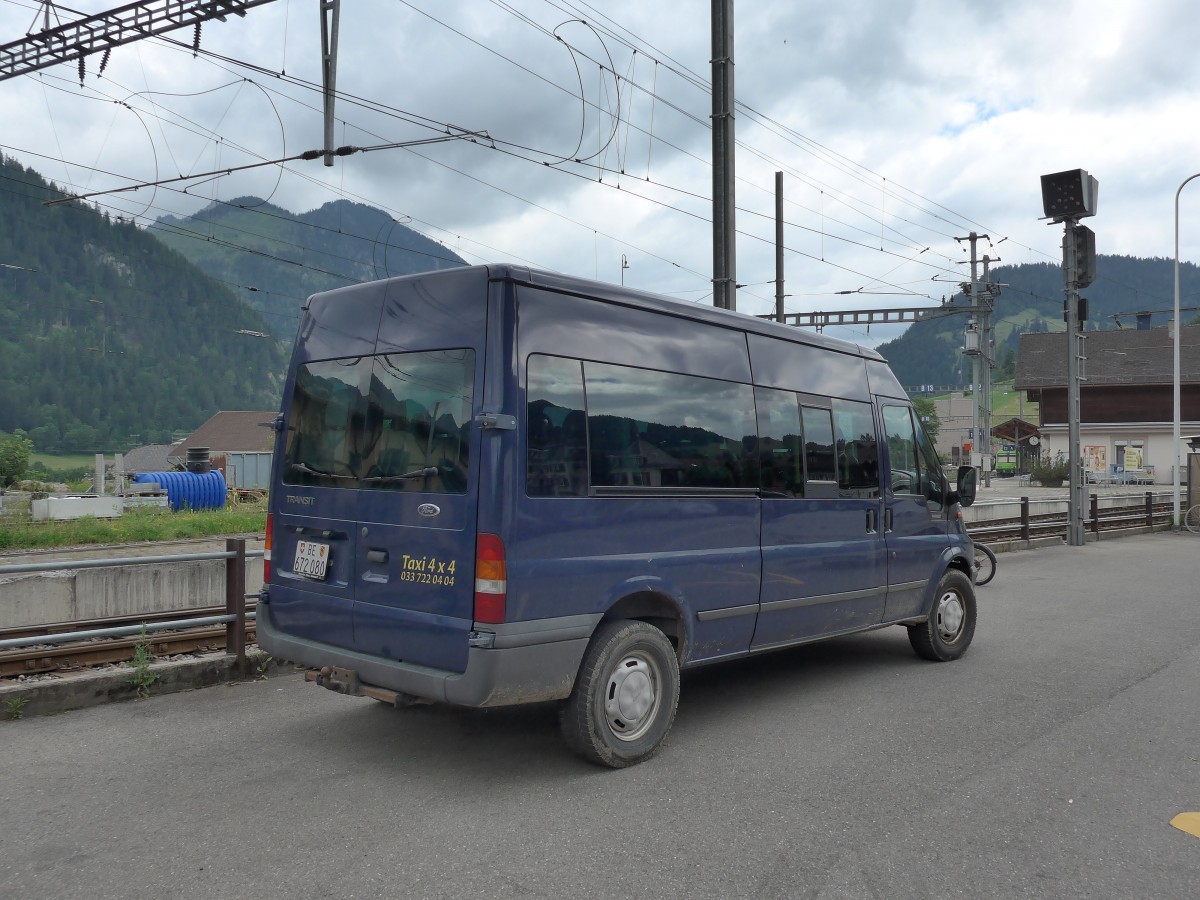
(822, 547)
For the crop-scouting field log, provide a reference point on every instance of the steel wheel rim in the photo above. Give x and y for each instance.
(632, 697)
(951, 613)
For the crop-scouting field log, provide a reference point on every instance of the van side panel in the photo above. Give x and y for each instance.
(809, 369)
(565, 325)
(581, 555)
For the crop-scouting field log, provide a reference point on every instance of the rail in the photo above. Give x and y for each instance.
(1150, 511)
(234, 618)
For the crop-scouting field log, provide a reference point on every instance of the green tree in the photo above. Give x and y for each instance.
(14, 458)
(927, 412)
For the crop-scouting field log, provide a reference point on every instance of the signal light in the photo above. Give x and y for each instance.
(491, 579)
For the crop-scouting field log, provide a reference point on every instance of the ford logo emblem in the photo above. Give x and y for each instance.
(429, 509)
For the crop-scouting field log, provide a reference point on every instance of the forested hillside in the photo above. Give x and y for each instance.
(115, 340)
(279, 258)
(930, 352)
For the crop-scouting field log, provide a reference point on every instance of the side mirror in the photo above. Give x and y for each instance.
(968, 480)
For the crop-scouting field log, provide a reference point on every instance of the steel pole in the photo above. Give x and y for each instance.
(1177, 409)
(1075, 530)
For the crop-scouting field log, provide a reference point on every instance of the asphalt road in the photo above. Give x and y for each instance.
(1048, 762)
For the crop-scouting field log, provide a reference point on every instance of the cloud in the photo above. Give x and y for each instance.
(898, 127)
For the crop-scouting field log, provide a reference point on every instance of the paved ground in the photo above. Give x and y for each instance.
(1049, 762)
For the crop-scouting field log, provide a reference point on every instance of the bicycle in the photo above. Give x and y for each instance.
(984, 563)
(1191, 519)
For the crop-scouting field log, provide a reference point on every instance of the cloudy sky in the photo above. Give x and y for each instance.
(899, 125)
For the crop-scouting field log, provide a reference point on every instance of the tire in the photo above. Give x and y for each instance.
(985, 564)
(948, 631)
(1191, 519)
(625, 695)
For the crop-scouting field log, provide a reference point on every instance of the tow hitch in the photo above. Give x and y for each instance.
(346, 681)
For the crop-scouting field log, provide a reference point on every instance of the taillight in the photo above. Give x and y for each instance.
(491, 579)
(267, 550)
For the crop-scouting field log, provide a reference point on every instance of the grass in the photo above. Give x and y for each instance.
(64, 462)
(137, 525)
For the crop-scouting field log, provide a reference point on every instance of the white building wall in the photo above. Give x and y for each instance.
(1153, 439)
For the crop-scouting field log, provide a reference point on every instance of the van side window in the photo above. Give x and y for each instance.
(818, 445)
(903, 474)
(856, 451)
(660, 429)
(557, 421)
(780, 460)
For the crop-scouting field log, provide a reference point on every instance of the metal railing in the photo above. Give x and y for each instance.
(234, 619)
(1096, 519)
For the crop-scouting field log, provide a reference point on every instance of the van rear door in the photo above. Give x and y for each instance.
(418, 495)
(393, 476)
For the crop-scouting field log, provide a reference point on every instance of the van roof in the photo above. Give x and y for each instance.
(611, 293)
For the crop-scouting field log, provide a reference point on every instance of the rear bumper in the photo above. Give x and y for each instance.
(528, 664)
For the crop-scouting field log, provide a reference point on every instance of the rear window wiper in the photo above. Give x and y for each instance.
(309, 470)
(426, 472)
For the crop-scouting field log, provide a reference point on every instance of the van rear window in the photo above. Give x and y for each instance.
(394, 422)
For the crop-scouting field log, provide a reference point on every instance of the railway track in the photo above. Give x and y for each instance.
(43, 658)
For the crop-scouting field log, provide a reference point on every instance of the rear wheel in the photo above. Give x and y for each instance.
(625, 695)
(948, 631)
(1191, 519)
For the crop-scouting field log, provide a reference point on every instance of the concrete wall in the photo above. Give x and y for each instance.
(72, 595)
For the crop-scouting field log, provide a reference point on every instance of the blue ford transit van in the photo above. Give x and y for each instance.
(497, 486)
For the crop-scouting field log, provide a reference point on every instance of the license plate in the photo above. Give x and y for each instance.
(311, 559)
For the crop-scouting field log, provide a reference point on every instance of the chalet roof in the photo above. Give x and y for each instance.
(230, 431)
(1114, 357)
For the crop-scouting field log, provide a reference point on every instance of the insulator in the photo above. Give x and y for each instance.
(196, 40)
(82, 70)
(104, 60)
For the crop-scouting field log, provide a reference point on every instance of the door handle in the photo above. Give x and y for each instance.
(887, 519)
(871, 518)
(377, 556)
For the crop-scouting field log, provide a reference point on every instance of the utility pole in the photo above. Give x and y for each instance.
(988, 346)
(979, 348)
(724, 232)
(779, 247)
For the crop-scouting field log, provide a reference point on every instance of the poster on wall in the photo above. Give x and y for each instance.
(1095, 460)
(1133, 458)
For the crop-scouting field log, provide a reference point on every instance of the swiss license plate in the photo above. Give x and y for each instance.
(311, 559)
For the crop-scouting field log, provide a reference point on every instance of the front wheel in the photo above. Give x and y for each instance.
(947, 632)
(624, 699)
(1191, 519)
(985, 564)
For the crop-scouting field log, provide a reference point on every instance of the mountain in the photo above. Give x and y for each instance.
(115, 339)
(276, 259)
(1031, 299)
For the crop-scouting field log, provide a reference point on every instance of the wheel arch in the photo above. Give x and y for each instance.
(654, 608)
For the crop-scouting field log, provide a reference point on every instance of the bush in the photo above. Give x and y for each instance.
(1051, 471)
